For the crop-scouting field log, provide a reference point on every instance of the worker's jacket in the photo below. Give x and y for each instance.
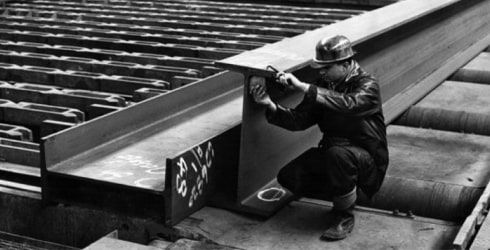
(350, 110)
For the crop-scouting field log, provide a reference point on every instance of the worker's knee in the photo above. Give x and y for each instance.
(341, 165)
(337, 156)
(295, 173)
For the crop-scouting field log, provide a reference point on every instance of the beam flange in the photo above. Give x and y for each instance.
(406, 45)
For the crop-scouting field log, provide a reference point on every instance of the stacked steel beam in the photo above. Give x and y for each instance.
(428, 175)
(63, 63)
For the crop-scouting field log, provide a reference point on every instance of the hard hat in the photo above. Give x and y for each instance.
(332, 49)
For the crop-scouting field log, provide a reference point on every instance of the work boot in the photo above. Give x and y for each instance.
(341, 226)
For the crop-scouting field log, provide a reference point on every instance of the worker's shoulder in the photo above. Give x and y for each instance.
(364, 78)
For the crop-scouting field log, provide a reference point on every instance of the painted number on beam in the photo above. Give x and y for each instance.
(192, 172)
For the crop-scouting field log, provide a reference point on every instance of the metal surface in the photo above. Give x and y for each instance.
(357, 31)
(453, 106)
(12, 242)
(97, 46)
(139, 40)
(475, 71)
(433, 173)
(299, 226)
(149, 150)
(165, 163)
(270, 146)
(136, 160)
(382, 37)
(23, 213)
(119, 49)
(194, 176)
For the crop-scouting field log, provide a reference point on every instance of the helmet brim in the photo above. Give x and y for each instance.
(317, 64)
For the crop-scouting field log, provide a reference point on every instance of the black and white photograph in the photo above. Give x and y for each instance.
(244, 124)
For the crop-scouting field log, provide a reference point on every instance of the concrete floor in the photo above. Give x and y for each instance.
(300, 224)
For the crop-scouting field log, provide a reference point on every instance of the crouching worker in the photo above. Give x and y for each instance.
(345, 103)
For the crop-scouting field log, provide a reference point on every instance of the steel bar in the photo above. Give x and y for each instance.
(106, 67)
(106, 144)
(115, 27)
(172, 49)
(163, 158)
(255, 29)
(95, 110)
(397, 83)
(137, 117)
(20, 152)
(215, 9)
(15, 132)
(20, 172)
(122, 85)
(453, 106)
(156, 13)
(51, 95)
(475, 71)
(98, 54)
(450, 168)
(291, 60)
(33, 114)
(174, 131)
(134, 35)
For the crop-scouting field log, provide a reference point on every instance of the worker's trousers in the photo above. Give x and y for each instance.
(329, 172)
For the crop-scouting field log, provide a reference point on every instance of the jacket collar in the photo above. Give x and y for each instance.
(353, 70)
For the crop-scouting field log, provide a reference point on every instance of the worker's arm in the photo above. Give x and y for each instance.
(299, 118)
(363, 100)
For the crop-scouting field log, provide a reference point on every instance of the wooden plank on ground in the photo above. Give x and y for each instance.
(475, 219)
(482, 239)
